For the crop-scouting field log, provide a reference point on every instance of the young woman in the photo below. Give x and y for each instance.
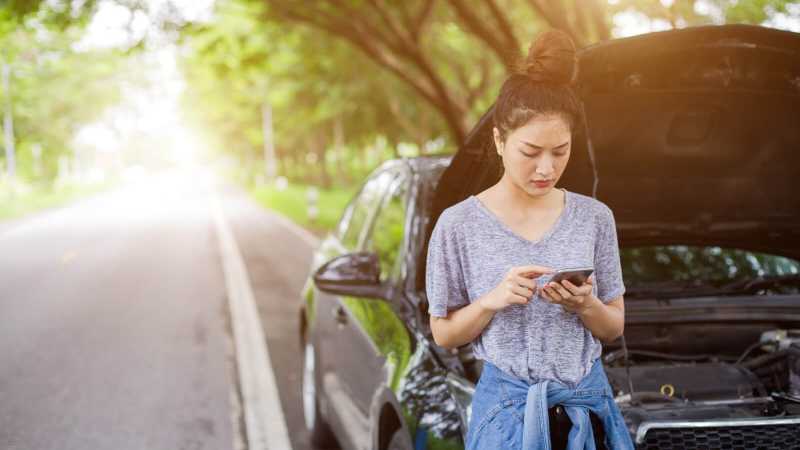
(490, 257)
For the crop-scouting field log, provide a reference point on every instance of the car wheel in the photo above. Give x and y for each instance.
(319, 431)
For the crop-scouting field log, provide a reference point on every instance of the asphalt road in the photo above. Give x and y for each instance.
(114, 329)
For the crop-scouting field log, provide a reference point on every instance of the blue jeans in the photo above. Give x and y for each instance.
(511, 413)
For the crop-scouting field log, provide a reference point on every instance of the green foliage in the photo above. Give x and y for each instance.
(57, 15)
(50, 83)
(336, 90)
(56, 88)
(342, 98)
(17, 203)
(327, 99)
(292, 202)
(753, 11)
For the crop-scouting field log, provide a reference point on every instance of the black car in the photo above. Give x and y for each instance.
(692, 139)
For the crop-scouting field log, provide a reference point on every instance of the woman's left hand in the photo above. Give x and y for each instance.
(575, 299)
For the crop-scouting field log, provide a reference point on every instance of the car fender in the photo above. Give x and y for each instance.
(385, 398)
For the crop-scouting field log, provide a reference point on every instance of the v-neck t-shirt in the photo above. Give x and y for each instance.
(471, 250)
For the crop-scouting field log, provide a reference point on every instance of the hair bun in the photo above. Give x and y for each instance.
(551, 58)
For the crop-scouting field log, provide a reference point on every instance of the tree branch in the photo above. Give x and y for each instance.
(387, 53)
(478, 91)
(412, 127)
(581, 21)
(415, 21)
(422, 16)
(557, 18)
(391, 24)
(486, 34)
(597, 9)
(505, 27)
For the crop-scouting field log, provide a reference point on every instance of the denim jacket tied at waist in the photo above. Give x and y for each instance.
(592, 393)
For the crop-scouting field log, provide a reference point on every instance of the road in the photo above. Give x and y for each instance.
(114, 322)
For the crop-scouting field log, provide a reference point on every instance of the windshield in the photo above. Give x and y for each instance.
(681, 270)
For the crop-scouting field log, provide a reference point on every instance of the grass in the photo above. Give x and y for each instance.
(26, 199)
(292, 202)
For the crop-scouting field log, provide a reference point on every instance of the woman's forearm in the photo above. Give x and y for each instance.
(604, 321)
(462, 325)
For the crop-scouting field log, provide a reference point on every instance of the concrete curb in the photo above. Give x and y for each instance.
(265, 423)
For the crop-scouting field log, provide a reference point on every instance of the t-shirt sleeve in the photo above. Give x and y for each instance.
(444, 277)
(607, 266)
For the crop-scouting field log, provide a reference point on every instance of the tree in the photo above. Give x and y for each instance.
(53, 14)
(402, 38)
(405, 38)
(330, 103)
(49, 83)
(51, 78)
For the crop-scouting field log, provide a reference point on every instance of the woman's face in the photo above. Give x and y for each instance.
(536, 151)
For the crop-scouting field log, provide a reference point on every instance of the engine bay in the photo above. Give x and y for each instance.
(698, 385)
(763, 381)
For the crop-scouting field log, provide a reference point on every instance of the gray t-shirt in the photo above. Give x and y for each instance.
(470, 252)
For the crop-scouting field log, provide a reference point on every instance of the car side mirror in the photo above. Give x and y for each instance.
(352, 274)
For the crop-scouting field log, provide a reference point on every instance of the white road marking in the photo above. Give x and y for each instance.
(264, 420)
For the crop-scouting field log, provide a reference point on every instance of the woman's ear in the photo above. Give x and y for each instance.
(498, 141)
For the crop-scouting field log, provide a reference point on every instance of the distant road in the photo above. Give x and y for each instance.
(114, 327)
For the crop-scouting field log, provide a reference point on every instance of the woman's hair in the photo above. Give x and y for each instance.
(541, 84)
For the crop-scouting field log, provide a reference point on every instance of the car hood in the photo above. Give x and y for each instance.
(693, 137)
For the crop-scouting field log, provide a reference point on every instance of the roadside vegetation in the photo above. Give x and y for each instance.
(45, 81)
(305, 203)
(323, 92)
(15, 203)
(293, 202)
(319, 93)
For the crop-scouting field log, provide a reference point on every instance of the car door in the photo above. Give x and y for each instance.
(375, 346)
(335, 314)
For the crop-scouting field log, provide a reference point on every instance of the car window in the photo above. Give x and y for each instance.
(388, 229)
(700, 266)
(422, 223)
(358, 215)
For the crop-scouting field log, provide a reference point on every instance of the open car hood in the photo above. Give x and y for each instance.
(695, 136)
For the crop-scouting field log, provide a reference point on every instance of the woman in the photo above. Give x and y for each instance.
(489, 258)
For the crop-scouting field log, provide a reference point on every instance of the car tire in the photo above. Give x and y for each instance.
(319, 432)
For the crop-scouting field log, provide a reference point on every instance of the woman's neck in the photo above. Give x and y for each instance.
(518, 199)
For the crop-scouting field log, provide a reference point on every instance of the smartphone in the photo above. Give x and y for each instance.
(576, 276)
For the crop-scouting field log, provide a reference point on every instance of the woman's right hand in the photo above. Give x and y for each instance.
(517, 287)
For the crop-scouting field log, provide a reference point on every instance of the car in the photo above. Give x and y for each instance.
(691, 139)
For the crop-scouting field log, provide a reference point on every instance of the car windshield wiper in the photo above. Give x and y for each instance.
(674, 289)
(671, 289)
(750, 284)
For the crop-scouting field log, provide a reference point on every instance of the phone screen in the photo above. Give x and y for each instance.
(575, 276)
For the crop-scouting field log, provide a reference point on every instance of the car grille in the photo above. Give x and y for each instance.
(766, 437)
